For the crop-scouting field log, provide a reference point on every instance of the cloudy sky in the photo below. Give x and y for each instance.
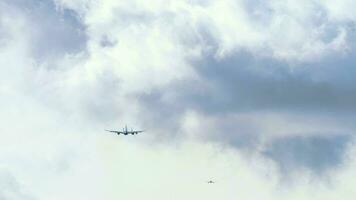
(259, 96)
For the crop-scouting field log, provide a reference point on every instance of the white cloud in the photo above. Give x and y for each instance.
(341, 10)
(154, 38)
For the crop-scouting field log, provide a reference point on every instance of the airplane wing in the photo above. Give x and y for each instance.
(119, 132)
(134, 132)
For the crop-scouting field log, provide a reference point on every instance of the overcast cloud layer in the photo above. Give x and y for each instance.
(258, 96)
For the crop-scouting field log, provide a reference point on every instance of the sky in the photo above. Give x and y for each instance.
(258, 96)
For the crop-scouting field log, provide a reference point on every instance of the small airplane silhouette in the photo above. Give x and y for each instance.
(125, 131)
(210, 182)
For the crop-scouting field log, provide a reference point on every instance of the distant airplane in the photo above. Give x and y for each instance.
(210, 182)
(125, 131)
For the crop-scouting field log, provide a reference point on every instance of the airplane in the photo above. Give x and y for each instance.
(125, 131)
(210, 182)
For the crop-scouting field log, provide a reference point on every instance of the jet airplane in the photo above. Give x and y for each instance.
(125, 131)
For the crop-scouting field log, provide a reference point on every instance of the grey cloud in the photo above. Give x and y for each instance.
(245, 82)
(316, 153)
(107, 42)
(55, 31)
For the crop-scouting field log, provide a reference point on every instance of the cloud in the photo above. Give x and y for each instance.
(11, 189)
(316, 153)
(52, 33)
(242, 92)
